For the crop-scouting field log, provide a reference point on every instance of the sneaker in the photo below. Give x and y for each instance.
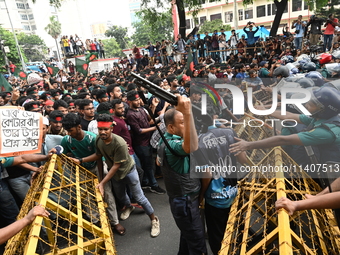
(126, 213)
(145, 187)
(155, 227)
(157, 190)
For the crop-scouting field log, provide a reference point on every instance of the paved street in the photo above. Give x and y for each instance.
(137, 240)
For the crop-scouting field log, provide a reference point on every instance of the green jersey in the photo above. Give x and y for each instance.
(81, 149)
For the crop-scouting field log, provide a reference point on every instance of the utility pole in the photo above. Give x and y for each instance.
(235, 15)
(5, 56)
(16, 40)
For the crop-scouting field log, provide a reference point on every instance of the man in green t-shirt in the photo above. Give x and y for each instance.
(81, 144)
(122, 171)
(323, 128)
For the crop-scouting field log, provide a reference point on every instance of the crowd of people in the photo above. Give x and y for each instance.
(73, 45)
(115, 118)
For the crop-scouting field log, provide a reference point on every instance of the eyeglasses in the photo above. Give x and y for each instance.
(89, 109)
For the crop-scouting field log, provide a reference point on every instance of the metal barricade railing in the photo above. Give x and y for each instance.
(78, 223)
(254, 226)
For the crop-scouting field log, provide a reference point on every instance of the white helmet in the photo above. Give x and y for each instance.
(33, 78)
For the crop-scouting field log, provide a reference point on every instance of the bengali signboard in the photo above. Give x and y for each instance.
(20, 131)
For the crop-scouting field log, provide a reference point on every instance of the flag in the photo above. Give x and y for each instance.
(82, 66)
(20, 73)
(52, 69)
(190, 67)
(4, 85)
(91, 56)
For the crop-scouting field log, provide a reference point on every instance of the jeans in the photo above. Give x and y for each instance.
(194, 57)
(215, 54)
(298, 42)
(20, 185)
(201, 53)
(187, 217)
(8, 209)
(164, 60)
(170, 59)
(144, 154)
(327, 42)
(103, 53)
(132, 180)
(223, 54)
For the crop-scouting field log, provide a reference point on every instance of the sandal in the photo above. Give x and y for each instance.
(119, 229)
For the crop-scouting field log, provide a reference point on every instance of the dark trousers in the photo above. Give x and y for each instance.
(216, 220)
(8, 207)
(187, 217)
(144, 154)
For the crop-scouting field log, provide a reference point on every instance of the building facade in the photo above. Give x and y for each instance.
(98, 29)
(261, 12)
(134, 6)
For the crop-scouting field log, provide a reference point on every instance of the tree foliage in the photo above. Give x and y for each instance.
(112, 48)
(56, 3)
(324, 8)
(210, 26)
(33, 46)
(145, 32)
(119, 33)
(53, 28)
(152, 7)
(13, 55)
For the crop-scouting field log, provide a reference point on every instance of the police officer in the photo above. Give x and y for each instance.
(322, 132)
(182, 190)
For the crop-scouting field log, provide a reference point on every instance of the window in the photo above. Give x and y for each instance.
(187, 26)
(269, 9)
(23, 16)
(2, 4)
(228, 17)
(248, 13)
(34, 27)
(27, 6)
(274, 9)
(26, 27)
(20, 6)
(261, 11)
(240, 14)
(305, 5)
(203, 19)
(52, 8)
(30, 16)
(216, 16)
(297, 5)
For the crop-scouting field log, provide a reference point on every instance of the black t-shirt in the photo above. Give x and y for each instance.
(84, 124)
(213, 150)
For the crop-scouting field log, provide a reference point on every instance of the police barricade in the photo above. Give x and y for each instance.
(254, 226)
(78, 223)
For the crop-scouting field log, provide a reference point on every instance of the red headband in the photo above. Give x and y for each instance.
(35, 106)
(71, 104)
(104, 124)
(58, 119)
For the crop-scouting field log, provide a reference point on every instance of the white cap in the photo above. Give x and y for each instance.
(33, 78)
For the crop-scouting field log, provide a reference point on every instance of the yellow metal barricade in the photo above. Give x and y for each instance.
(254, 226)
(78, 223)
